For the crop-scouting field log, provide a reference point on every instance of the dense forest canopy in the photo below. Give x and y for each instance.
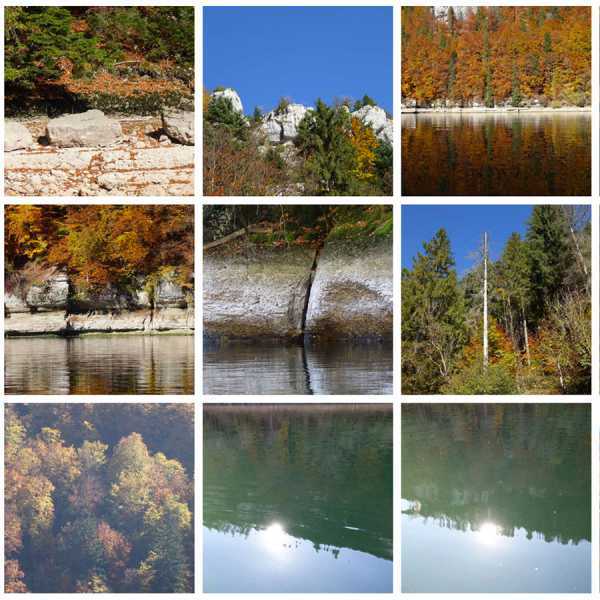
(101, 245)
(99, 498)
(496, 55)
(126, 58)
(334, 154)
(539, 309)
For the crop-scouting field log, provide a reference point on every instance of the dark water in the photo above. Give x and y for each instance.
(496, 498)
(298, 498)
(496, 155)
(340, 368)
(117, 364)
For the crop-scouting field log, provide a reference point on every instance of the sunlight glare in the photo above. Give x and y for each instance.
(488, 533)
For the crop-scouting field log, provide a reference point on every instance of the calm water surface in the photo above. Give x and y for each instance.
(496, 498)
(340, 368)
(111, 364)
(298, 499)
(500, 154)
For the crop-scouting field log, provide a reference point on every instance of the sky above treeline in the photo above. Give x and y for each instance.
(303, 53)
(465, 226)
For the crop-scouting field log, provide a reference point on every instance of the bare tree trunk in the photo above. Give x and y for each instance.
(525, 335)
(485, 305)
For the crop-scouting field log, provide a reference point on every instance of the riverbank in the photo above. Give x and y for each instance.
(497, 110)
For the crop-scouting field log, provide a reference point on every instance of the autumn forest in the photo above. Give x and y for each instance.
(99, 498)
(495, 56)
(520, 324)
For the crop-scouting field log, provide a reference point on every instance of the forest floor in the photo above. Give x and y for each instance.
(143, 163)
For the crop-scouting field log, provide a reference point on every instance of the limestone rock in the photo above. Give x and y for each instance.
(16, 136)
(260, 295)
(13, 303)
(179, 126)
(232, 95)
(169, 293)
(283, 126)
(88, 129)
(352, 294)
(375, 117)
(51, 294)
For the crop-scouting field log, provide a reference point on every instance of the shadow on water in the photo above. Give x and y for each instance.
(298, 497)
(342, 367)
(110, 364)
(496, 154)
(500, 493)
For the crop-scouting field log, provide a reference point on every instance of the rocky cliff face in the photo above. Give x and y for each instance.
(277, 294)
(54, 306)
(281, 125)
(259, 294)
(352, 293)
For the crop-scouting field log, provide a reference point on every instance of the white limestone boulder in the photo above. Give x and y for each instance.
(16, 136)
(179, 126)
(88, 129)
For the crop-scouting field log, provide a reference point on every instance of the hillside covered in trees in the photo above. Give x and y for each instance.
(116, 59)
(100, 246)
(343, 149)
(496, 56)
(535, 300)
(99, 498)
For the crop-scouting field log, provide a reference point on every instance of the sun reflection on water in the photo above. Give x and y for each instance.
(488, 533)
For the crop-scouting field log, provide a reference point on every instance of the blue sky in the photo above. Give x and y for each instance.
(465, 225)
(300, 52)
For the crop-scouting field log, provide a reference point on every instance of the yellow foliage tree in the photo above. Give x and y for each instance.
(365, 143)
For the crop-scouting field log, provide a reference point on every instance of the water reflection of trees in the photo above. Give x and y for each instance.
(497, 155)
(518, 466)
(323, 471)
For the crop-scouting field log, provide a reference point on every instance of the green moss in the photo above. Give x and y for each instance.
(385, 229)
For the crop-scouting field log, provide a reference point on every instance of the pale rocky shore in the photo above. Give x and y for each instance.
(91, 154)
(53, 305)
(496, 110)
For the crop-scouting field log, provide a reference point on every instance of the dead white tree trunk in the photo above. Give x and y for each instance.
(485, 303)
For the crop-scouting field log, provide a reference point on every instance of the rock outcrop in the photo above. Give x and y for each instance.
(179, 126)
(261, 294)
(16, 136)
(52, 294)
(88, 130)
(376, 118)
(116, 171)
(282, 126)
(138, 164)
(231, 95)
(265, 292)
(54, 306)
(352, 293)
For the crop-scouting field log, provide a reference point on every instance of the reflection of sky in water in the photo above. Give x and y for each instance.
(440, 559)
(270, 560)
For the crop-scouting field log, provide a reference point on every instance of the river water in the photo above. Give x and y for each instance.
(298, 498)
(496, 154)
(496, 498)
(313, 368)
(105, 364)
